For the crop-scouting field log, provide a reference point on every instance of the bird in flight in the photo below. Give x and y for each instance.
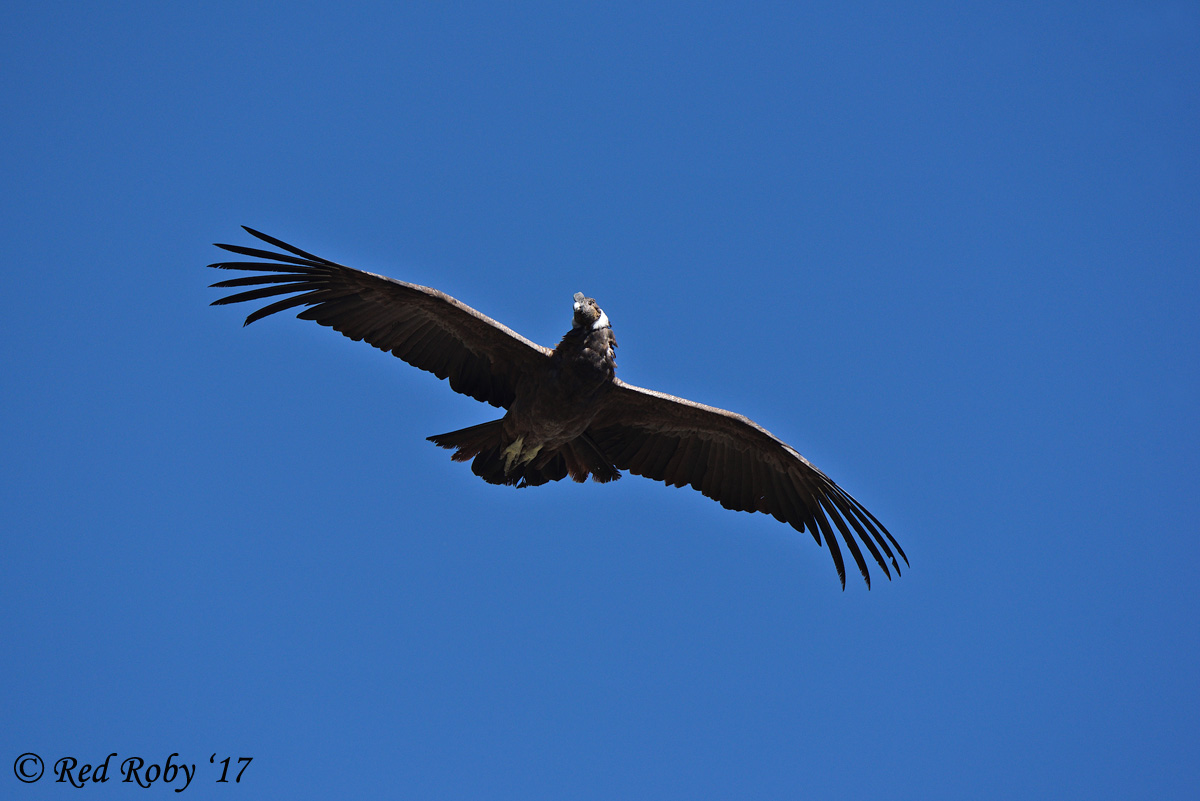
(567, 414)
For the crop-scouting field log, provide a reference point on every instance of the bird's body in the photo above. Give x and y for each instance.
(566, 411)
(543, 437)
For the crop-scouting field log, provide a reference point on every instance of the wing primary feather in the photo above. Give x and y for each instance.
(281, 305)
(259, 253)
(254, 280)
(834, 549)
(831, 513)
(266, 292)
(875, 528)
(804, 505)
(851, 516)
(264, 267)
(873, 523)
(279, 243)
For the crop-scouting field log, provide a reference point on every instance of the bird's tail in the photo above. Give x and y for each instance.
(493, 462)
(470, 441)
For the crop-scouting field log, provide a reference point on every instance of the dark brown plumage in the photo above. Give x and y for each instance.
(567, 412)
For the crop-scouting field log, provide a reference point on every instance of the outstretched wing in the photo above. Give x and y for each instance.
(424, 327)
(741, 465)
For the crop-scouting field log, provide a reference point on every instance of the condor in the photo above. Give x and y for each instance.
(567, 412)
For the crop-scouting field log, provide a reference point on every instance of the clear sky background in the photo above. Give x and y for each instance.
(948, 251)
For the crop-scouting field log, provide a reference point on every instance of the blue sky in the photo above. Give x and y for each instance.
(947, 251)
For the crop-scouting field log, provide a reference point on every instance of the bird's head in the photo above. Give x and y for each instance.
(588, 314)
